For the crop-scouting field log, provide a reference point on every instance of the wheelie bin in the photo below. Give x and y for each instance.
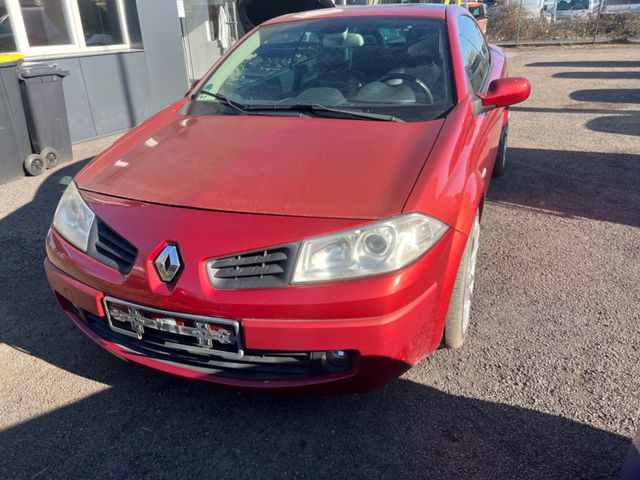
(15, 146)
(46, 113)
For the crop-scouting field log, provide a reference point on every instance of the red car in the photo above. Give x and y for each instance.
(307, 217)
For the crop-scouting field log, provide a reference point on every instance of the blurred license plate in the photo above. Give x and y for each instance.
(208, 333)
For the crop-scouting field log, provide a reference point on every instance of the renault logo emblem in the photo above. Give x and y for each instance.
(168, 263)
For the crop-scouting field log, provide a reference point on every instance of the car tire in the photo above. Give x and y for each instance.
(459, 313)
(501, 158)
(34, 165)
(50, 156)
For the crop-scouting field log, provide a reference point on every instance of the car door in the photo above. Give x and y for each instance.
(478, 68)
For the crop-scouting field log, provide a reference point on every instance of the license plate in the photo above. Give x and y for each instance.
(217, 335)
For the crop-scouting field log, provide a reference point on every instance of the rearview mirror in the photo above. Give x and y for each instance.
(505, 92)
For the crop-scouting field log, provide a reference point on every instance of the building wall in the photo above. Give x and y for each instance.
(164, 53)
(202, 51)
(111, 92)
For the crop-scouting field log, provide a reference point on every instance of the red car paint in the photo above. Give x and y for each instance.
(209, 176)
(204, 183)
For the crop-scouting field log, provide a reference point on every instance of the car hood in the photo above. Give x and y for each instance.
(315, 167)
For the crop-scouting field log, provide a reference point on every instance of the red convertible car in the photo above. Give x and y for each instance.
(307, 217)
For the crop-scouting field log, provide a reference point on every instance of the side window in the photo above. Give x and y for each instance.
(474, 52)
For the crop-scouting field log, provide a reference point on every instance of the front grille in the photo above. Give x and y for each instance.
(108, 247)
(253, 365)
(266, 268)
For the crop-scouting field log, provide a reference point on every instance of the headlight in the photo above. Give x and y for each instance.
(373, 249)
(73, 218)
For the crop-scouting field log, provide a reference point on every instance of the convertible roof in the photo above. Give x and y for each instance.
(406, 10)
(254, 12)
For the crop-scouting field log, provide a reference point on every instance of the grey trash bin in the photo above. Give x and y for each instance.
(45, 111)
(14, 137)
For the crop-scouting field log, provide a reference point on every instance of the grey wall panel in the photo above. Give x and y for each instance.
(117, 88)
(162, 38)
(77, 101)
(134, 66)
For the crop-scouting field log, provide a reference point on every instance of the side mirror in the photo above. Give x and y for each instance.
(505, 92)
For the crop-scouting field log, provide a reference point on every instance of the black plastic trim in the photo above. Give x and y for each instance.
(110, 248)
(265, 268)
(254, 365)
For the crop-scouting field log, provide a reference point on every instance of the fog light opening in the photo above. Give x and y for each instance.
(336, 360)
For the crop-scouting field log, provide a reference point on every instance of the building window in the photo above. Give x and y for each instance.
(52, 27)
(101, 23)
(45, 22)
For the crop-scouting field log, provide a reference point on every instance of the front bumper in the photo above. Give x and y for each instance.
(389, 322)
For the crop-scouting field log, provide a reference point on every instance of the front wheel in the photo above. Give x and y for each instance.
(459, 314)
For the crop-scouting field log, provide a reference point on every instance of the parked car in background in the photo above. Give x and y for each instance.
(308, 216)
(622, 6)
(575, 10)
(479, 12)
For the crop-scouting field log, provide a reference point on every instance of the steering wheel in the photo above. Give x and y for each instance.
(414, 81)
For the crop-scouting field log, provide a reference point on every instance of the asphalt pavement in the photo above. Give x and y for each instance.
(546, 387)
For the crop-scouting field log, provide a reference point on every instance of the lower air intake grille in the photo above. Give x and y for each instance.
(108, 247)
(258, 269)
(254, 365)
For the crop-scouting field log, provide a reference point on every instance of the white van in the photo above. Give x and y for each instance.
(566, 10)
(622, 6)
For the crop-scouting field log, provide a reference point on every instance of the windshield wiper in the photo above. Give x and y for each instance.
(225, 101)
(315, 108)
(299, 107)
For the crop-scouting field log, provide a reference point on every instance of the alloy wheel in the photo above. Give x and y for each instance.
(470, 275)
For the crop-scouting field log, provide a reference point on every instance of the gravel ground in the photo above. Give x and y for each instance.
(546, 387)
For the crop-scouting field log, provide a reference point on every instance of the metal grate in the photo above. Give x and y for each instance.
(258, 269)
(108, 247)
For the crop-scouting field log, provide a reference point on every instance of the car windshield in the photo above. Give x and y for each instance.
(396, 66)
